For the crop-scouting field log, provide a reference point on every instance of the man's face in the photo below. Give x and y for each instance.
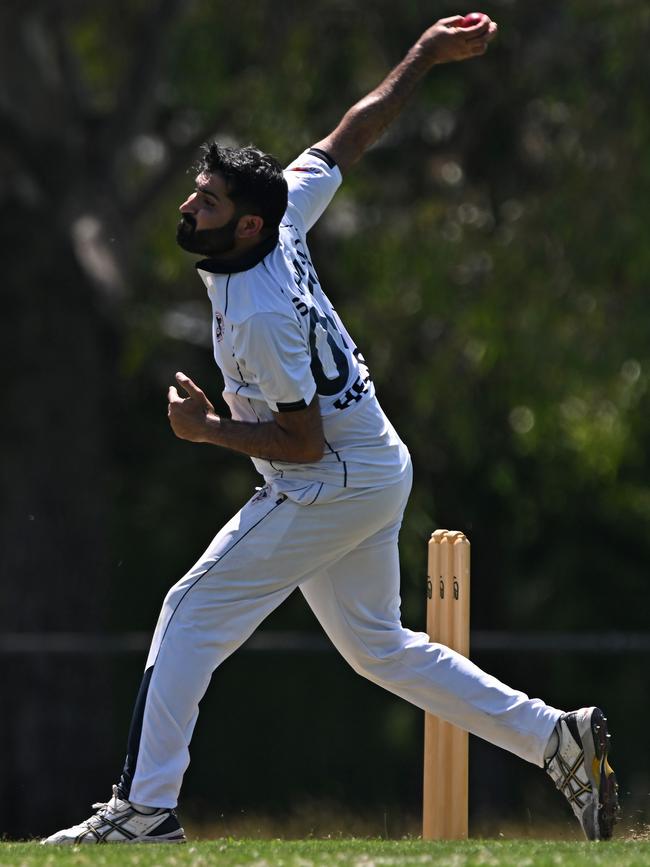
(208, 218)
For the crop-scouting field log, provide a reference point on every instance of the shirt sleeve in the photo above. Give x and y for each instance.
(313, 179)
(276, 355)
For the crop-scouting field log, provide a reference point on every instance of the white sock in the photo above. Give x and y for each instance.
(146, 810)
(552, 745)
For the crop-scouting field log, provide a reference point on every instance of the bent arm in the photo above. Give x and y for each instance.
(363, 124)
(295, 437)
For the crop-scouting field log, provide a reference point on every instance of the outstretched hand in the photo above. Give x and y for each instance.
(190, 417)
(447, 41)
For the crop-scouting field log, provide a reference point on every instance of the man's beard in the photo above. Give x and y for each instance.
(207, 242)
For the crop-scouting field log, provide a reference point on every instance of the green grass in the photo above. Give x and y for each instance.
(334, 853)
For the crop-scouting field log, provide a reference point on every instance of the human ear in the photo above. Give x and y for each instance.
(249, 225)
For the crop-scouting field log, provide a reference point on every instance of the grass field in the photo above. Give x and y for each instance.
(334, 853)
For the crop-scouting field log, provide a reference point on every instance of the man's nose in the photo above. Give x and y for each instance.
(188, 205)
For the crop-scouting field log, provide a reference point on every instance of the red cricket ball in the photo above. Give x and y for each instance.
(473, 19)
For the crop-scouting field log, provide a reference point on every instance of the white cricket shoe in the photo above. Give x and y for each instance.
(582, 773)
(118, 821)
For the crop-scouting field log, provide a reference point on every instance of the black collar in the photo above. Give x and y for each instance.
(244, 262)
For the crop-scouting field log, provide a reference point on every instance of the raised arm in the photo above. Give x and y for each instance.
(362, 125)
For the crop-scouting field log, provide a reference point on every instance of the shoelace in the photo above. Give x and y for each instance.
(103, 808)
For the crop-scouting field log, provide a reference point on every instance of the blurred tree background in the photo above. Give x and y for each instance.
(489, 255)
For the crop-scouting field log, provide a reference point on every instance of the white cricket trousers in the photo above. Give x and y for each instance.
(342, 553)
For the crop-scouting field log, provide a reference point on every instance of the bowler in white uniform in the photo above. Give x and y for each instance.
(336, 479)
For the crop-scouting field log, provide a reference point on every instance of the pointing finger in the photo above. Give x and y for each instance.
(190, 387)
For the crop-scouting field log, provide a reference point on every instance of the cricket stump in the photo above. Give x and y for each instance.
(445, 800)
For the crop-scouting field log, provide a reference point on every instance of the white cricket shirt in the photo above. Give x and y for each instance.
(278, 341)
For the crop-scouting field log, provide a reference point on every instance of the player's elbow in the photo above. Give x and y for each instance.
(312, 450)
(302, 434)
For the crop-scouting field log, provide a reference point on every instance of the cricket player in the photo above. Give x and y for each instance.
(336, 479)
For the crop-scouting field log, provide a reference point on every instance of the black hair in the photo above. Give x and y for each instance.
(254, 180)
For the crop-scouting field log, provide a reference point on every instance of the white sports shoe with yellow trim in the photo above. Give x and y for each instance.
(582, 773)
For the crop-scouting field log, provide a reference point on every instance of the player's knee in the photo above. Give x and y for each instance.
(173, 596)
(370, 660)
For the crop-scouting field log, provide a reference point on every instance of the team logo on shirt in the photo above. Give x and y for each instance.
(218, 326)
(309, 170)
